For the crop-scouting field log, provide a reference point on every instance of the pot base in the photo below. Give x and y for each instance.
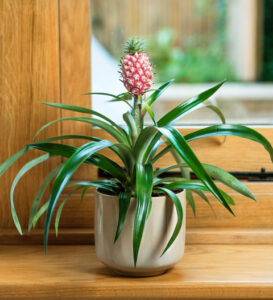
(140, 272)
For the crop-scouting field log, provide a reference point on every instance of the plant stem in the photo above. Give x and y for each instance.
(137, 112)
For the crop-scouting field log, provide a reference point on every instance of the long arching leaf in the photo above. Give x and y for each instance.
(123, 202)
(144, 186)
(166, 169)
(70, 137)
(229, 180)
(186, 106)
(186, 184)
(39, 195)
(234, 130)
(60, 209)
(130, 121)
(180, 145)
(68, 169)
(151, 99)
(96, 122)
(85, 111)
(204, 197)
(109, 185)
(40, 212)
(122, 150)
(23, 170)
(9, 162)
(185, 172)
(179, 211)
(97, 160)
(196, 185)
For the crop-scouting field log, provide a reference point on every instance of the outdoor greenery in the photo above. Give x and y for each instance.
(191, 63)
(196, 58)
(139, 147)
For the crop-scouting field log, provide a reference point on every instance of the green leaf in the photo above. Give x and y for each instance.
(40, 212)
(153, 150)
(190, 200)
(234, 130)
(166, 169)
(23, 170)
(186, 106)
(122, 150)
(185, 173)
(97, 160)
(195, 185)
(162, 153)
(187, 184)
(103, 94)
(70, 137)
(122, 100)
(103, 184)
(145, 142)
(179, 211)
(151, 113)
(68, 169)
(83, 193)
(82, 110)
(151, 99)
(130, 121)
(60, 209)
(144, 186)
(6, 164)
(228, 199)
(212, 107)
(86, 111)
(124, 202)
(39, 195)
(229, 180)
(96, 122)
(183, 149)
(204, 197)
(217, 110)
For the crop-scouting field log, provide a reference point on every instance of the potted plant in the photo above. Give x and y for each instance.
(139, 215)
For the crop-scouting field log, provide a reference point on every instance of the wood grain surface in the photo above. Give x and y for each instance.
(75, 64)
(74, 272)
(29, 74)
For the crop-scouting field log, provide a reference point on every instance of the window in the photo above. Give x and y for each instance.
(197, 42)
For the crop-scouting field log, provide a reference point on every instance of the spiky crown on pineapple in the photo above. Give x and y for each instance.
(137, 70)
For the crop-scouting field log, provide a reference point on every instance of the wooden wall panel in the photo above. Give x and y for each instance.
(29, 74)
(75, 43)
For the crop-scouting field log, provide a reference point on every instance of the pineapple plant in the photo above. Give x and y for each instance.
(139, 147)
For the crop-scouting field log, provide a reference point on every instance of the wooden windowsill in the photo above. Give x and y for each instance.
(74, 272)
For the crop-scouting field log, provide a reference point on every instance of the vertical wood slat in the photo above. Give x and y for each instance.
(29, 74)
(75, 67)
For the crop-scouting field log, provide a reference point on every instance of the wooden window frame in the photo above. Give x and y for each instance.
(64, 68)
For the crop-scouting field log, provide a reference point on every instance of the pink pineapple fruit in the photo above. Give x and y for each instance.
(137, 70)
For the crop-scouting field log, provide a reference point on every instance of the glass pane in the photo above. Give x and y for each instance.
(196, 42)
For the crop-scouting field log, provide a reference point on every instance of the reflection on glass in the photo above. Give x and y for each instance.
(197, 42)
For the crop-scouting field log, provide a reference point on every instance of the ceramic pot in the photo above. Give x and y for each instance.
(158, 230)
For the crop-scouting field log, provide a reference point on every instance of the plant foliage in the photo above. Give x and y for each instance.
(138, 147)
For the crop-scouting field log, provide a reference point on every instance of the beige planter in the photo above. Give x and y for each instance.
(158, 230)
